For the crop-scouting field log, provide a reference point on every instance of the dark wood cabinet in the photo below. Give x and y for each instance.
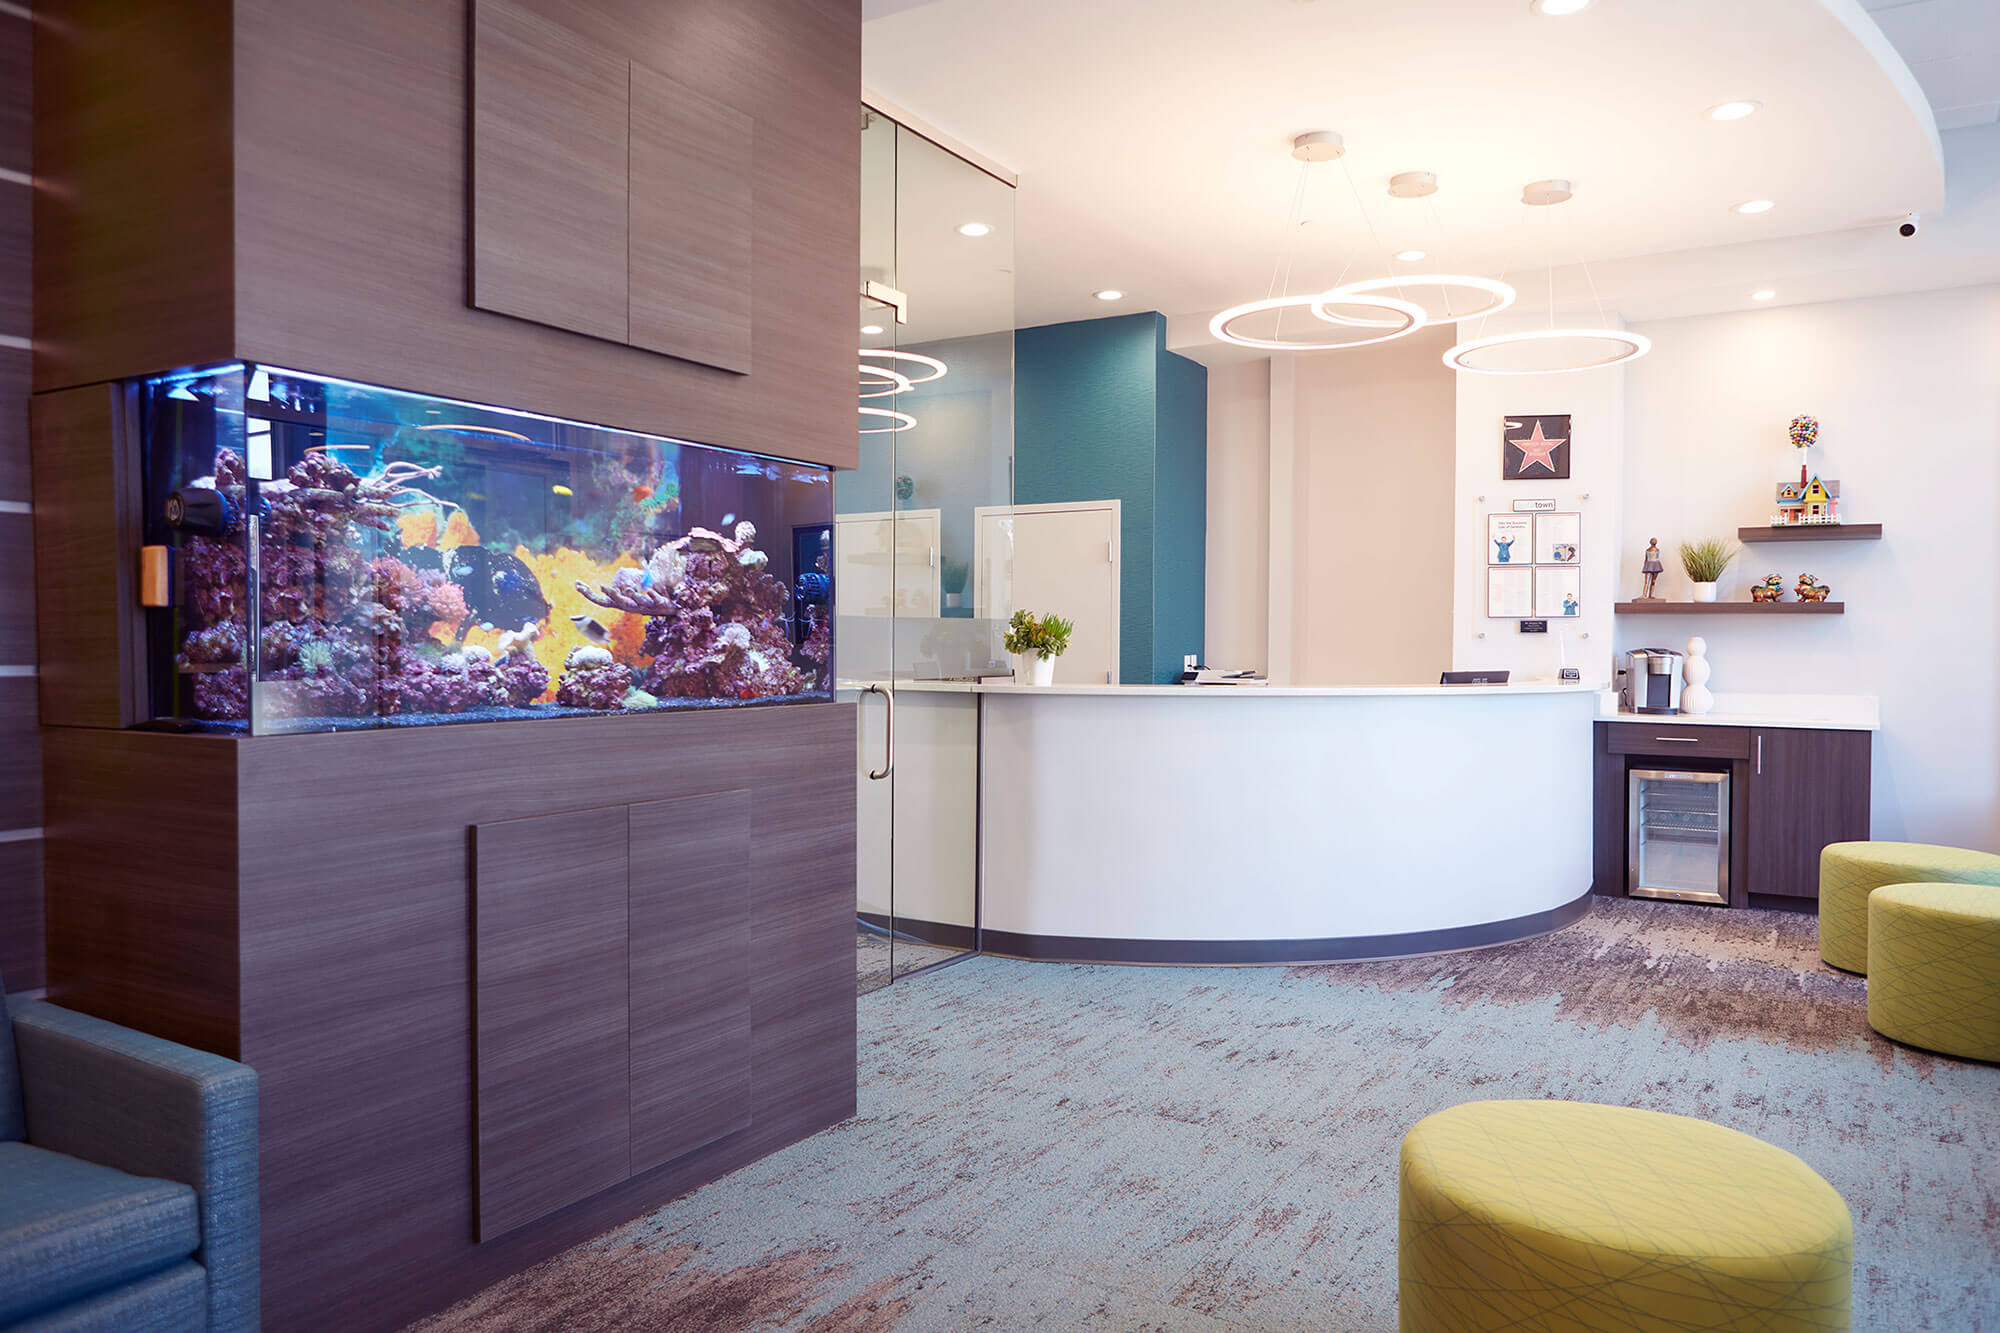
(1806, 789)
(1793, 790)
(443, 954)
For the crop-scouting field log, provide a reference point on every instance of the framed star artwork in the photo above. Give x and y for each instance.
(1534, 448)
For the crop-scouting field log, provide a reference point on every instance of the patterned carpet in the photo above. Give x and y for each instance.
(1163, 1148)
(874, 956)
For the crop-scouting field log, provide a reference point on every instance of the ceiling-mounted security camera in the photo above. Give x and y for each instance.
(1908, 227)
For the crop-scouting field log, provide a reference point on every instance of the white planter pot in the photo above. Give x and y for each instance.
(1704, 592)
(1042, 670)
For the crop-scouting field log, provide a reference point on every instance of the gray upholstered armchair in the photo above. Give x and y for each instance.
(128, 1179)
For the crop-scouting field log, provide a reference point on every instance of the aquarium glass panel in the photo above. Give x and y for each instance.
(355, 556)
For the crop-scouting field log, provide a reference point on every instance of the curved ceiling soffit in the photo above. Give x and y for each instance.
(1861, 25)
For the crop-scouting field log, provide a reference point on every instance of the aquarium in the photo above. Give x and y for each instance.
(345, 556)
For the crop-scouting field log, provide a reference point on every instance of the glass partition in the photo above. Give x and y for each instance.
(936, 335)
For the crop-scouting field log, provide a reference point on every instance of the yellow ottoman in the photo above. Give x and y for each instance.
(1934, 967)
(1568, 1216)
(1850, 871)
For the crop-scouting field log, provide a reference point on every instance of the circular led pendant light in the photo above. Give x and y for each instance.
(1402, 316)
(1409, 316)
(1541, 350)
(1497, 297)
(1630, 347)
(902, 421)
(893, 382)
(935, 366)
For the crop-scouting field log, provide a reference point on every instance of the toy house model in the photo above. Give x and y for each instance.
(1812, 501)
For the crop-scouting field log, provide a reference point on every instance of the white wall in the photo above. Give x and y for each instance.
(1907, 392)
(1371, 555)
(1595, 402)
(1239, 519)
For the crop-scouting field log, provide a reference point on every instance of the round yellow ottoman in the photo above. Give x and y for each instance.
(1934, 967)
(1569, 1216)
(1850, 871)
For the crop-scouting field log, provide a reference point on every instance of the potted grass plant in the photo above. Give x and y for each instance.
(1036, 642)
(1704, 562)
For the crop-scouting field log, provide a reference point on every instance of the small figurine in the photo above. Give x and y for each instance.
(1651, 568)
(1811, 589)
(1772, 589)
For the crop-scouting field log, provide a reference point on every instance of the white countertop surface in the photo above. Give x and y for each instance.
(1821, 712)
(1235, 691)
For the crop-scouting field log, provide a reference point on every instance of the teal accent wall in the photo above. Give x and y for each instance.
(1103, 411)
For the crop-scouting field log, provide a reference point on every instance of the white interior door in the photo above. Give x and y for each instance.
(1059, 559)
(887, 564)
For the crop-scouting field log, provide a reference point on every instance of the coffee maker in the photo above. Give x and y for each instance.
(1651, 681)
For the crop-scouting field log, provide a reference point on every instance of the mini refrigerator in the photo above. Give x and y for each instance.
(1677, 841)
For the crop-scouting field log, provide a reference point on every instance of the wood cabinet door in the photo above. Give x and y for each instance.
(690, 974)
(1806, 789)
(549, 149)
(551, 1064)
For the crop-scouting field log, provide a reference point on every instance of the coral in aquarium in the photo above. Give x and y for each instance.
(717, 623)
(522, 677)
(592, 680)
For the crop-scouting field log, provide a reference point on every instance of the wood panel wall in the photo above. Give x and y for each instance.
(20, 748)
(344, 135)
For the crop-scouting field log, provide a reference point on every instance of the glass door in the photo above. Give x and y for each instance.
(936, 393)
(1679, 835)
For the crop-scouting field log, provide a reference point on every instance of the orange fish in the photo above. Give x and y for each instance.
(642, 492)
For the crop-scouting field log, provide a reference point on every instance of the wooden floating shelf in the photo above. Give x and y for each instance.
(1813, 532)
(1731, 608)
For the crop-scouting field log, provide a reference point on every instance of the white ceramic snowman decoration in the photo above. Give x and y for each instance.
(1695, 670)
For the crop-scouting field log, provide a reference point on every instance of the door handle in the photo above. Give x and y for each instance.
(888, 734)
(1676, 740)
(1760, 755)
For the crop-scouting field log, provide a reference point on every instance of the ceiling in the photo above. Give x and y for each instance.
(1151, 139)
(1953, 49)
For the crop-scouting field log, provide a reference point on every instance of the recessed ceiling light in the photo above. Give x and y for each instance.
(1409, 256)
(1765, 295)
(973, 229)
(1556, 9)
(871, 329)
(1755, 206)
(1733, 110)
(1109, 294)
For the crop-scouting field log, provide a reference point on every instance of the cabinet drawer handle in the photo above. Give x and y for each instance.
(1679, 740)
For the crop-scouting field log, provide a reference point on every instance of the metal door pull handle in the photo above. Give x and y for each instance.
(888, 734)
(1678, 740)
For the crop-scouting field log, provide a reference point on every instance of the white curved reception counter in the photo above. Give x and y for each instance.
(1167, 824)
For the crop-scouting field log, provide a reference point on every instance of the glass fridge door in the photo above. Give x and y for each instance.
(1678, 838)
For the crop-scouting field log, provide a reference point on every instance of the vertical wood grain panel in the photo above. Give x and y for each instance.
(548, 173)
(21, 915)
(690, 971)
(690, 279)
(140, 865)
(352, 194)
(14, 417)
(550, 1013)
(86, 537)
(134, 217)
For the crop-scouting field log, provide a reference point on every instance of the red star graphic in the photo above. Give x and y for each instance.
(1538, 449)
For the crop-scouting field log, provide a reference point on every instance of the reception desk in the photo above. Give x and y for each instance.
(1230, 824)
